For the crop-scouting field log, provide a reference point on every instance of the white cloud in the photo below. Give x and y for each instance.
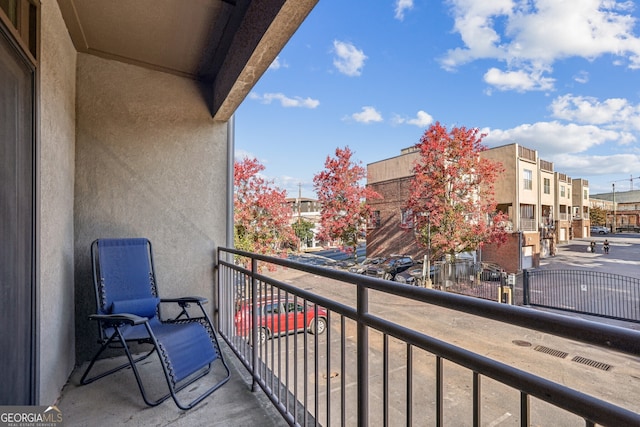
(532, 35)
(422, 119)
(284, 100)
(349, 60)
(277, 64)
(553, 138)
(401, 7)
(520, 80)
(571, 148)
(367, 115)
(614, 113)
(587, 166)
(581, 77)
(240, 154)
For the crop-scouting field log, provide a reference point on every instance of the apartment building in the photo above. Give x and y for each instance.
(563, 214)
(536, 198)
(580, 223)
(526, 192)
(624, 206)
(389, 229)
(308, 210)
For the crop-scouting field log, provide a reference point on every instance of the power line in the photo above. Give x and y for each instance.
(629, 179)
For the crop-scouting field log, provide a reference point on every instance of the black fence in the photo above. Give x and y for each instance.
(479, 280)
(584, 291)
(344, 370)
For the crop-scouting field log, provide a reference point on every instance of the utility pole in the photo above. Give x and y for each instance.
(613, 230)
(299, 201)
(299, 218)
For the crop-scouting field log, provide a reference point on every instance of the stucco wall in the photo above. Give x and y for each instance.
(150, 162)
(56, 166)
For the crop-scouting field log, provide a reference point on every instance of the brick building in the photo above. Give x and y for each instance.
(537, 199)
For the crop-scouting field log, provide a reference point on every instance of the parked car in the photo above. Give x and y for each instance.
(413, 275)
(599, 229)
(312, 259)
(391, 266)
(362, 266)
(280, 316)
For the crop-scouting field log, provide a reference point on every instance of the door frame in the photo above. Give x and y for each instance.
(10, 36)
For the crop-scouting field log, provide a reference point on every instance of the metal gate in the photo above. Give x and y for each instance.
(584, 291)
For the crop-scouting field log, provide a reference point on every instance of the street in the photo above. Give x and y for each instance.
(496, 340)
(623, 257)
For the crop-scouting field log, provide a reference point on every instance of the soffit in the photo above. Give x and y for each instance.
(224, 44)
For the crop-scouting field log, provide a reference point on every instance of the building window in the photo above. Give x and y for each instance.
(406, 218)
(528, 179)
(562, 191)
(547, 186)
(586, 194)
(23, 15)
(374, 221)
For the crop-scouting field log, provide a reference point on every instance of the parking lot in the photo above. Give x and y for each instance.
(623, 257)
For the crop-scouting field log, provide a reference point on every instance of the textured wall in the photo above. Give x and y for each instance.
(56, 164)
(150, 162)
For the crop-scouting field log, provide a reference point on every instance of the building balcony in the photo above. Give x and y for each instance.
(386, 354)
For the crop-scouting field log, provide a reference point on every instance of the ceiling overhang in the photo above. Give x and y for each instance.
(224, 45)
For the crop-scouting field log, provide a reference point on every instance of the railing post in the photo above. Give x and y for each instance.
(525, 287)
(363, 357)
(254, 325)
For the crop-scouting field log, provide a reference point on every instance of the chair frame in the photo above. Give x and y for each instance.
(117, 339)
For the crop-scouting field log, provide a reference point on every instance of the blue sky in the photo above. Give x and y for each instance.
(560, 77)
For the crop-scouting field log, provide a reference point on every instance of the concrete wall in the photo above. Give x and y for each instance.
(150, 162)
(393, 168)
(505, 185)
(547, 199)
(56, 174)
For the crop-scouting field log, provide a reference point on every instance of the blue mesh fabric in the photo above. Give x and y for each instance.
(188, 350)
(127, 286)
(125, 270)
(144, 307)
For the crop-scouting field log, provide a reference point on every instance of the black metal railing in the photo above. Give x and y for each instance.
(584, 291)
(365, 369)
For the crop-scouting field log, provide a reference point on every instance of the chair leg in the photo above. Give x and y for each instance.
(173, 390)
(84, 380)
(134, 368)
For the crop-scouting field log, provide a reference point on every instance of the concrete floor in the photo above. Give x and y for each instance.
(116, 401)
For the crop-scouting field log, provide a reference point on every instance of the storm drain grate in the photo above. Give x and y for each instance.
(592, 363)
(551, 351)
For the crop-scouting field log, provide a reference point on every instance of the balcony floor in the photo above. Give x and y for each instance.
(116, 400)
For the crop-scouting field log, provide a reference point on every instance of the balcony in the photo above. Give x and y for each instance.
(390, 355)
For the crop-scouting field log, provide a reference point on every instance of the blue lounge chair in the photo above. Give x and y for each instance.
(128, 311)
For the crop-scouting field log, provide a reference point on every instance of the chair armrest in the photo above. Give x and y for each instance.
(186, 300)
(120, 318)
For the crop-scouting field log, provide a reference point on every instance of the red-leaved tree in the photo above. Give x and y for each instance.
(262, 217)
(452, 193)
(342, 196)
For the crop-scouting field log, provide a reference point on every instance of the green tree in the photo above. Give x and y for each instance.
(598, 216)
(304, 231)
